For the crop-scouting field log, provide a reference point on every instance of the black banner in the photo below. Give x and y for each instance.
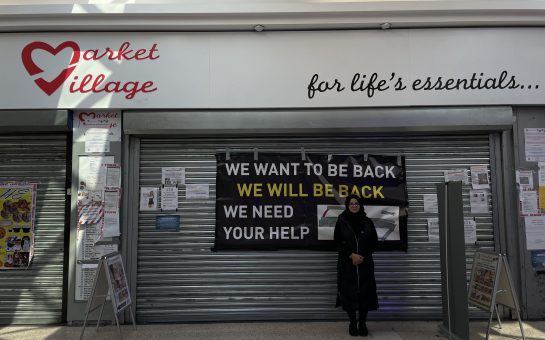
(281, 201)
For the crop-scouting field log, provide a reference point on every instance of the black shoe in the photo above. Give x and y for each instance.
(353, 329)
(363, 331)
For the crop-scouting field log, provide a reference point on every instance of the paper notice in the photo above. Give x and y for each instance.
(113, 175)
(456, 175)
(528, 202)
(478, 200)
(111, 224)
(197, 191)
(105, 249)
(92, 172)
(85, 277)
(535, 232)
(470, 231)
(148, 198)
(85, 121)
(173, 176)
(169, 198)
(111, 199)
(96, 141)
(534, 144)
(85, 242)
(433, 229)
(479, 177)
(525, 179)
(430, 203)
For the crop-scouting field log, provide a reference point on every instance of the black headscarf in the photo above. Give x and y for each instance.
(355, 220)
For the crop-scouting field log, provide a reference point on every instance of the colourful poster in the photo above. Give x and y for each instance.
(17, 209)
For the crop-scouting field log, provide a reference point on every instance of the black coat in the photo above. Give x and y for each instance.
(356, 285)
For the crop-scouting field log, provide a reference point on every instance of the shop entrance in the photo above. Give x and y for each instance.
(179, 278)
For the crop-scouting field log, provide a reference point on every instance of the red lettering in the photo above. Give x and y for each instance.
(123, 53)
(130, 88)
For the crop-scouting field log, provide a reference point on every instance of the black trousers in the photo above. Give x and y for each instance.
(363, 313)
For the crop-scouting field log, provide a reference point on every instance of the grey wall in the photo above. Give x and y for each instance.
(533, 282)
(76, 309)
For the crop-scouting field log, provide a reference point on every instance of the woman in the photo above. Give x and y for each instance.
(356, 240)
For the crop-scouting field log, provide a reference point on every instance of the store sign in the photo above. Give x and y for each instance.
(218, 70)
(95, 82)
(281, 201)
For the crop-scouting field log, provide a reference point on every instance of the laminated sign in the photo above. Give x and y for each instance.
(292, 201)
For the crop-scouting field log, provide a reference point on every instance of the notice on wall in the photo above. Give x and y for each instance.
(92, 172)
(456, 175)
(85, 242)
(478, 200)
(85, 277)
(535, 232)
(534, 144)
(89, 121)
(197, 191)
(479, 177)
(433, 229)
(281, 201)
(430, 203)
(525, 179)
(113, 175)
(96, 141)
(528, 202)
(167, 222)
(148, 198)
(173, 176)
(169, 198)
(470, 231)
(538, 259)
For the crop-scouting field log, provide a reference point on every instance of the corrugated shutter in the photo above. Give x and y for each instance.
(34, 296)
(180, 279)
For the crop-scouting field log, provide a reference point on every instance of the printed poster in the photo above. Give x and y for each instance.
(535, 232)
(478, 200)
(173, 175)
(197, 191)
(534, 144)
(430, 203)
(479, 177)
(148, 198)
(118, 282)
(433, 229)
(283, 202)
(169, 198)
(483, 277)
(17, 216)
(92, 121)
(456, 175)
(525, 179)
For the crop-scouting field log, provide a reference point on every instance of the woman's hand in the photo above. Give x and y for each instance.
(356, 259)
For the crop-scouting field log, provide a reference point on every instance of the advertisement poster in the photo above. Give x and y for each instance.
(17, 216)
(148, 198)
(118, 282)
(483, 277)
(283, 202)
(479, 177)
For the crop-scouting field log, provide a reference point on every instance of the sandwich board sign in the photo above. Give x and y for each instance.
(491, 285)
(110, 285)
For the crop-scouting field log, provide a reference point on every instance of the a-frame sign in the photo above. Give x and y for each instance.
(110, 285)
(491, 285)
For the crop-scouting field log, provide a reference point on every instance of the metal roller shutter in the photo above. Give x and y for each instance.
(34, 296)
(179, 279)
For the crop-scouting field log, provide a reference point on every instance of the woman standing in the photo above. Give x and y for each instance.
(356, 240)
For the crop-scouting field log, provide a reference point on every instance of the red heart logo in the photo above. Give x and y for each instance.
(49, 86)
(85, 114)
